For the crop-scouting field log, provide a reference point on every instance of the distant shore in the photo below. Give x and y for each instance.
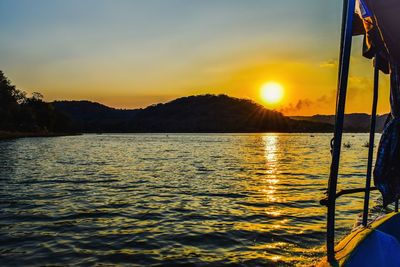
(13, 135)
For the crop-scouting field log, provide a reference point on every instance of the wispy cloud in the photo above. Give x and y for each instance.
(329, 64)
(306, 104)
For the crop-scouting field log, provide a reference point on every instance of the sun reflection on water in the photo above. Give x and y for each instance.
(264, 183)
(271, 164)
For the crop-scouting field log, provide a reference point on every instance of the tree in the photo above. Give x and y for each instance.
(27, 114)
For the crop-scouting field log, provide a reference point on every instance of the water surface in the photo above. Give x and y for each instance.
(171, 200)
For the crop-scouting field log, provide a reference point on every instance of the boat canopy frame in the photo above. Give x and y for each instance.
(343, 77)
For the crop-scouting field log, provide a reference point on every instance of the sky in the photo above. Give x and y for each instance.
(134, 53)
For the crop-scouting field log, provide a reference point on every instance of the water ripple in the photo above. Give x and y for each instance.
(185, 200)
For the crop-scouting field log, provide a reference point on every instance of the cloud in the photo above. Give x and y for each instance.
(306, 104)
(359, 95)
(329, 64)
(359, 89)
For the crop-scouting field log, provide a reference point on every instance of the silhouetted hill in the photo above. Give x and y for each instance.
(204, 113)
(208, 113)
(355, 122)
(89, 116)
(31, 116)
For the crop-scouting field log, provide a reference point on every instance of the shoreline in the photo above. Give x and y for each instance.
(4, 135)
(15, 135)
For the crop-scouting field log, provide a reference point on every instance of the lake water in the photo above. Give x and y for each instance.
(172, 200)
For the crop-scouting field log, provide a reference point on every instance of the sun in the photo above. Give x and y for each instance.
(272, 93)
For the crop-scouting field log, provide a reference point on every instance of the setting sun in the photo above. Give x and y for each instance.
(272, 93)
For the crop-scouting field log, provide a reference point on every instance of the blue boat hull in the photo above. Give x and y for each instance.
(378, 244)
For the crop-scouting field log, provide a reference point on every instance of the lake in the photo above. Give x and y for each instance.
(172, 200)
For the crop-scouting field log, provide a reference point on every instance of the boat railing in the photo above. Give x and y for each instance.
(324, 201)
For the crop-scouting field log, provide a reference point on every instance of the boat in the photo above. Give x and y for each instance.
(375, 242)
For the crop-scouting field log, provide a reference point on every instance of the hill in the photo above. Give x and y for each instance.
(203, 113)
(354, 122)
(87, 116)
(31, 116)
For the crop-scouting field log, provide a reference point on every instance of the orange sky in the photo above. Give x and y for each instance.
(130, 54)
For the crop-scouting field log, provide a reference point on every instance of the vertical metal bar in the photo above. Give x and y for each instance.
(371, 143)
(342, 34)
(347, 32)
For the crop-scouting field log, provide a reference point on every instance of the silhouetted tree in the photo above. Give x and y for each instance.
(27, 114)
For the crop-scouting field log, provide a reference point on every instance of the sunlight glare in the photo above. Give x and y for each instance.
(272, 92)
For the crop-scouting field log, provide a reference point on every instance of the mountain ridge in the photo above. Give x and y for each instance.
(200, 113)
(353, 122)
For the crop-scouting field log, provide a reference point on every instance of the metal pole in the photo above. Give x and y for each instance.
(371, 143)
(347, 32)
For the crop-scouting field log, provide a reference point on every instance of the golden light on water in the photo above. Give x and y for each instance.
(272, 93)
(271, 147)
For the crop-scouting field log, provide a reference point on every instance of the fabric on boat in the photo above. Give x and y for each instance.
(387, 167)
(386, 16)
(362, 9)
(365, 24)
(381, 21)
(378, 249)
